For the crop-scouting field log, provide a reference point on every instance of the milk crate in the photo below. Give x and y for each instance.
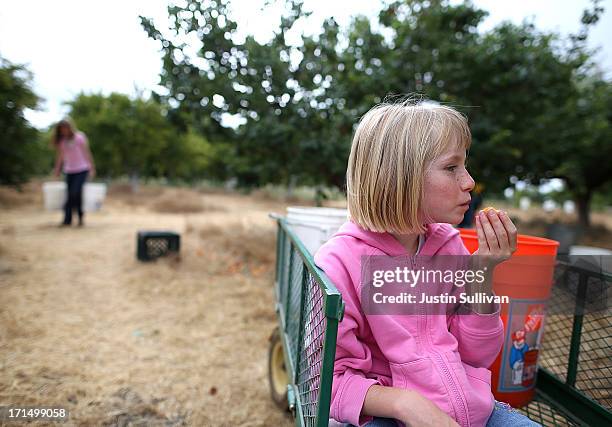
(154, 244)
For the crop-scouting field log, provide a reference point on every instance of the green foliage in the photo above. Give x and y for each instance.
(124, 134)
(188, 157)
(584, 145)
(524, 91)
(135, 137)
(22, 152)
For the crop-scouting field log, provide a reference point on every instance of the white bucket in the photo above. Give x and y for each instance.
(591, 258)
(54, 195)
(93, 196)
(314, 226)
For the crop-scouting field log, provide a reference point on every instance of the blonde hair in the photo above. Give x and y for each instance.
(392, 148)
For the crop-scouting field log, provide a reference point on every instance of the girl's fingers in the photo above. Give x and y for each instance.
(499, 230)
(510, 229)
(482, 240)
(488, 231)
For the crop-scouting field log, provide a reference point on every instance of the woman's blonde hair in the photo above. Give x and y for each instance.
(393, 147)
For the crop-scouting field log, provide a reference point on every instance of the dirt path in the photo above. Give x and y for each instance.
(182, 341)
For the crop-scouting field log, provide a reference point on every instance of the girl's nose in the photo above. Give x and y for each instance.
(467, 182)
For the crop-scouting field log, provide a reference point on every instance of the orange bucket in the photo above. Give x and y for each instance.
(527, 280)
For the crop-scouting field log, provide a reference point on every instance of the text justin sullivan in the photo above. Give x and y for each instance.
(445, 298)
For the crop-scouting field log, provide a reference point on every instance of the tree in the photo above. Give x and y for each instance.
(22, 153)
(543, 110)
(134, 137)
(585, 136)
(124, 134)
(518, 86)
(219, 76)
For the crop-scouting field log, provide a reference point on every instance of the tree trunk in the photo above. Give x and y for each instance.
(320, 196)
(583, 202)
(134, 182)
(291, 186)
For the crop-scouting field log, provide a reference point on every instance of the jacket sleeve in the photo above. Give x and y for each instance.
(353, 358)
(479, 336)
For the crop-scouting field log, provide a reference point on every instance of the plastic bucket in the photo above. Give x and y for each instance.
(527, 280)
(54, 195)
(93, 196)
(314, 226)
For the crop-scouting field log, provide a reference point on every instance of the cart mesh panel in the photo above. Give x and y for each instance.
(594, 364)
(284, 269)
(311, 351)
(594, 376)
(294, 304)
(541, 411)
(309, 309)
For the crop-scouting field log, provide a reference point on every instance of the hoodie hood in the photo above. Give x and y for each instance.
(436, 237)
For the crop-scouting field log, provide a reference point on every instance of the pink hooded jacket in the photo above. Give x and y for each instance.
(445, 358)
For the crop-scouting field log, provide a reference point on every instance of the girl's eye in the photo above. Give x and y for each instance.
(453, 168)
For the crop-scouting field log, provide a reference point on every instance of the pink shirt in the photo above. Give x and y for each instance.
(445, 358)
(74, 154)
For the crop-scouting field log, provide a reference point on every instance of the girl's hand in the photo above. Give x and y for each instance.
(416, 411)
(496, 236)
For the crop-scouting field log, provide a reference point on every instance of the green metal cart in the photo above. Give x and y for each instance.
(309, 307)
(303, 346)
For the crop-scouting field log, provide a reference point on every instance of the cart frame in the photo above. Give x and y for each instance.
(308, 309)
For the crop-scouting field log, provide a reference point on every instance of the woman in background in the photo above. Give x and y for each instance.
(75, 158)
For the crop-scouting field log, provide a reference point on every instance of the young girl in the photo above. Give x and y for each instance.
(406, 183)
(74, 157)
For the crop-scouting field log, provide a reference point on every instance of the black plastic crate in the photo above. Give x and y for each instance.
(154, 244)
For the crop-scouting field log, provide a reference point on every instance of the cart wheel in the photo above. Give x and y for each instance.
(277, 374)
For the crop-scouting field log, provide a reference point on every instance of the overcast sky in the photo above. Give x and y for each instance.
(92, 46)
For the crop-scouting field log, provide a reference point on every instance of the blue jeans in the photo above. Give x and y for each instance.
(503, 415)
(379, 422)
(74, 199)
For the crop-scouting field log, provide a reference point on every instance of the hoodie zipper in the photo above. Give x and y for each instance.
(459, 404)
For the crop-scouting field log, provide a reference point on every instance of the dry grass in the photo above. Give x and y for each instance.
(163, 199)
(184, 202)
(255, 245)
(598, 235)
(123, 193)
(11, 197)
(180, 341)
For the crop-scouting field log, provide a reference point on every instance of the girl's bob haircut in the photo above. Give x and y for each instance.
(393, 146)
